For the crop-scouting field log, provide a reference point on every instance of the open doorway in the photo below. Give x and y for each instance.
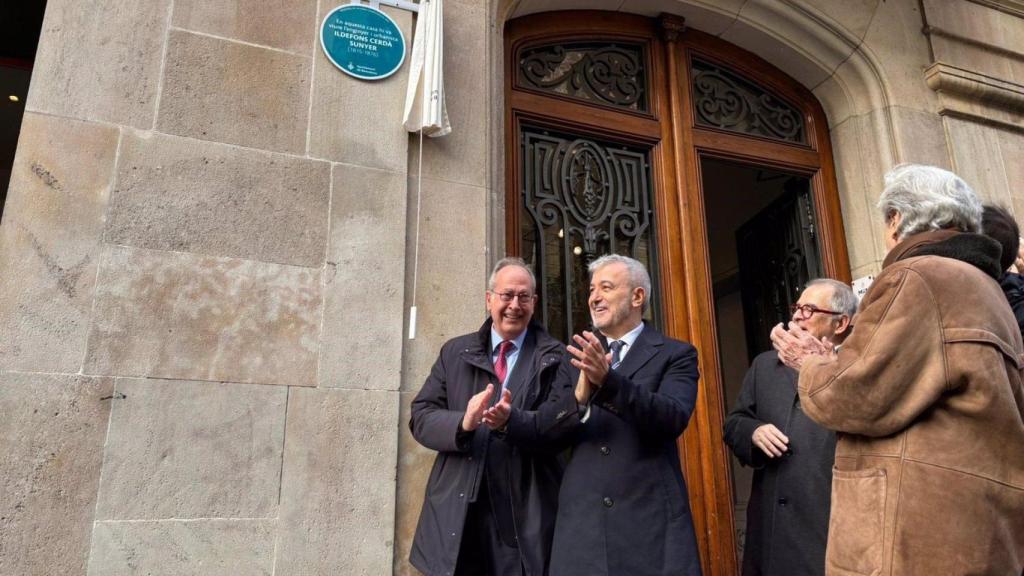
(762, 249)
(20, 25)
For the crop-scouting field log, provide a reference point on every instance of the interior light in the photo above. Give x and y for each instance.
(14, 98)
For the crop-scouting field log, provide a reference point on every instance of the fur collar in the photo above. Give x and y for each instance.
(979, 251)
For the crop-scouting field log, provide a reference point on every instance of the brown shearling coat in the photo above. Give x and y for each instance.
(926, 395)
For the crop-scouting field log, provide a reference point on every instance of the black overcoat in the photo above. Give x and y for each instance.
(624, 508)
(522, 466)
(787, 515)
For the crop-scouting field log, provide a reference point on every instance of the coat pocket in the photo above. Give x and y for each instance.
(856, 525)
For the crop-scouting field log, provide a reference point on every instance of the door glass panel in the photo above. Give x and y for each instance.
(582, 198)
(723, 99)
(597, 72)
(762, 247)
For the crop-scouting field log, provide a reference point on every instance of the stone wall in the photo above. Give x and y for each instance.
(204, 260)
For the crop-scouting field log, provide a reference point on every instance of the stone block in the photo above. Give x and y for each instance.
(452, 271)
(100, 60)
(462, 156)
(414, 464)
(364, 292)
(183, 548)
(53, 428)
(182, 195)
(990, 32)
(358, 122)
(533, 6)
(835, 99)
(853, 16)
(1011, 144)
(978, 159)
(193, 450)
(899, 51)
(857, 195)
(920, 137)
(235, 93)
(181, 316)
(49, 241)
(285, 25)
(338, 485)
(778, 34)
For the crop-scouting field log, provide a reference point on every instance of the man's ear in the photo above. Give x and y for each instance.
(639, 296)
(843, 326)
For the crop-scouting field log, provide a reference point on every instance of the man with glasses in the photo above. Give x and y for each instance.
(788, 510)
(493, 407)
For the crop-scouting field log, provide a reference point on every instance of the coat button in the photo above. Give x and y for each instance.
(608, 502)
(606, 450)
(462, 495)
(783, 501)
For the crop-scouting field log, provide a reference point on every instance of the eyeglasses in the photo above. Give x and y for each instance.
(523, 297)
(809, 310)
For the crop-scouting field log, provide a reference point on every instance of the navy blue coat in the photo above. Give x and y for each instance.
(522, 465)
(623, 508)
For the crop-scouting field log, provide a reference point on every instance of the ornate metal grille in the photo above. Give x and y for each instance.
(725, 100)
(581, 198)
(599, 72)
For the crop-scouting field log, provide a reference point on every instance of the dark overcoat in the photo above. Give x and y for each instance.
(787, 515)
(523, 470)
(624, 508)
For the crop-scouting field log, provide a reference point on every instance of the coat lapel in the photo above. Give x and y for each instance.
(523, 371)
(647, 345)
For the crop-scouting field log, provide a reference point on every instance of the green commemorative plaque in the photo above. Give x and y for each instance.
(362, 42)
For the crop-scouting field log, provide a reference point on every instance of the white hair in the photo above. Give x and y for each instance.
(843, 299)
(928, 198)
(638, 276)
(505, 263)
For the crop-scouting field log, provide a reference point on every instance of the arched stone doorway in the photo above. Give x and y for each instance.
(636, 135)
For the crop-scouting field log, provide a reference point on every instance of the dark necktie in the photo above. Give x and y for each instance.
(616, 347)
(501, 366)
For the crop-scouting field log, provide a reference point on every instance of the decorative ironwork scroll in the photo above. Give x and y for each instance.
(581, 198)
(603, 73)
(725, 100)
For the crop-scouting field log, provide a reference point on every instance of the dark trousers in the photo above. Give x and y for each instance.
(482, 552)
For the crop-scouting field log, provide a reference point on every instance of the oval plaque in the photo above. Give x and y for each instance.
(362, 42)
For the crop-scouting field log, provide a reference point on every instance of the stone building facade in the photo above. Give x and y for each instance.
(206, 255)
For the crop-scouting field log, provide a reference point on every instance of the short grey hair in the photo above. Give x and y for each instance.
(843, 299)
(505, 263)
(928, 198)
(638, 276)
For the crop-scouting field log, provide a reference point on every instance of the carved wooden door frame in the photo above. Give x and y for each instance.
(678, 144)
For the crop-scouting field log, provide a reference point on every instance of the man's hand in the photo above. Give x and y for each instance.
(475, 409)
(770, 440)
(796, 344)
(590, 358)
(496, 416)
(582, 389)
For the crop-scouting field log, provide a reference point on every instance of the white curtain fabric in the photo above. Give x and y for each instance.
(424, 102)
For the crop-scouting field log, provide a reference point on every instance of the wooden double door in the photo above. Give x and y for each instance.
(639, 136)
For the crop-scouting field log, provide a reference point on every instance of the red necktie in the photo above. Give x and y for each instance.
(501, 366)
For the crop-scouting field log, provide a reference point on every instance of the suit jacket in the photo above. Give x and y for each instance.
(787, 515)
(623, 506)
(522, 474)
